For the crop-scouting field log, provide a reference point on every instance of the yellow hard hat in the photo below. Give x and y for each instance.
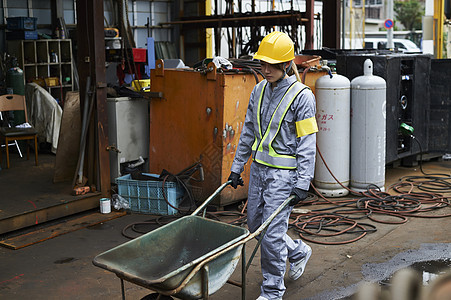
(276, 47)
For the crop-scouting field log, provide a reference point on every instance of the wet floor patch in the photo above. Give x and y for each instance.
(429, 270)
(439, 253)
(430, 260)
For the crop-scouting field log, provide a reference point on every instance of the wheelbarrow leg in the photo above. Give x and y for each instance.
(123, 289)
(243, 273)
(205, 282)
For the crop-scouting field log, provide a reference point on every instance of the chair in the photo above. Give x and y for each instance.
(16, 103)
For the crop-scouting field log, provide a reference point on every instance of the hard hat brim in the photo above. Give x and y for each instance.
(269, 60)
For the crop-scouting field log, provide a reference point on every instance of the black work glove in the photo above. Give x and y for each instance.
(299, 195)
(236, 180)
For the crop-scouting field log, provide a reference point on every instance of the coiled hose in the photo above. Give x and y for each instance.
(403, 200)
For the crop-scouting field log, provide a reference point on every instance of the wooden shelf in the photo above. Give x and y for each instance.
(35, 59)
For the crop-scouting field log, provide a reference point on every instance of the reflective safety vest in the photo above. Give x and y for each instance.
(262, 150)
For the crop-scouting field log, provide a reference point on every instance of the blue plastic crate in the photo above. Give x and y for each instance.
(21, 35)
(146, 196)
(21, 23)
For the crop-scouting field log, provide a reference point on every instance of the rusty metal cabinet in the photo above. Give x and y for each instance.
(199, 117)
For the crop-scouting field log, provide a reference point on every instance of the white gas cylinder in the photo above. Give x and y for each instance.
(333, 103)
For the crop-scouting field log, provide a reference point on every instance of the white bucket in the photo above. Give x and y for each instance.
(105, 205)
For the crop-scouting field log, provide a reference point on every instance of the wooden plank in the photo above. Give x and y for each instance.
(53, 231)
(62, 209)
(69, 139)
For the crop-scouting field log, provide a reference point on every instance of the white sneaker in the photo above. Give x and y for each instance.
(262, 298)
(297, 268)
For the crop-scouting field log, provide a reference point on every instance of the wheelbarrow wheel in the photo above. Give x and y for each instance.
(154, 296)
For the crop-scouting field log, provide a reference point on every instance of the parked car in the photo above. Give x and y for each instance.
(402, 45)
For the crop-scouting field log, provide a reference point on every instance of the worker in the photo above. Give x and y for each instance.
(280, 133)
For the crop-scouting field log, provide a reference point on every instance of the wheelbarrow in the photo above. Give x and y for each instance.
(190, 258)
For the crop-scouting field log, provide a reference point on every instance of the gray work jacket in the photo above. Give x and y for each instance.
(286, 142)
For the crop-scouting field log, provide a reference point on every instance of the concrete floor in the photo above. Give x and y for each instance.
(27, 187)
(29, 195)
(61, 268)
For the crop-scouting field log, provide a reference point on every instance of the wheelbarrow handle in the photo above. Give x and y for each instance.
(271, 217)
(206, 202)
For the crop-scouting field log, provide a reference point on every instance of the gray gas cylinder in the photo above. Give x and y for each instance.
(368, 125)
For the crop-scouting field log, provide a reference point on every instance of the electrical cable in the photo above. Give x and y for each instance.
(182, 178)
(154, 223)
(326, 221)
(375, 205)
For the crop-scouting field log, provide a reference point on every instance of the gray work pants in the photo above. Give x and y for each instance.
(268, 188)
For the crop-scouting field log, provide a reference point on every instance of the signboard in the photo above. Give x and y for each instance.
(388, 24)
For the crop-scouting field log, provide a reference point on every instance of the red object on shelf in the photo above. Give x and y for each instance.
(139, 54)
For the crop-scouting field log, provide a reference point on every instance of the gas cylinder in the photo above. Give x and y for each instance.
(368, 125)
(333, 102)
(15, 85)
(14, 81)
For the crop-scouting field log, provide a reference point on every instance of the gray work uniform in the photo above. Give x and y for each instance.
(269, 186)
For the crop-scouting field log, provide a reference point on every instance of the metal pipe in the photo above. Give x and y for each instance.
(84, 125)
(343, 24)
(390, 44)
(234, 19)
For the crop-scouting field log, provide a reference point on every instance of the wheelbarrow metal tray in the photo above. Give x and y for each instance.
(161, 259)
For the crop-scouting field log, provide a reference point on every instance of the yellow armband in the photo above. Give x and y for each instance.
(306, 127)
